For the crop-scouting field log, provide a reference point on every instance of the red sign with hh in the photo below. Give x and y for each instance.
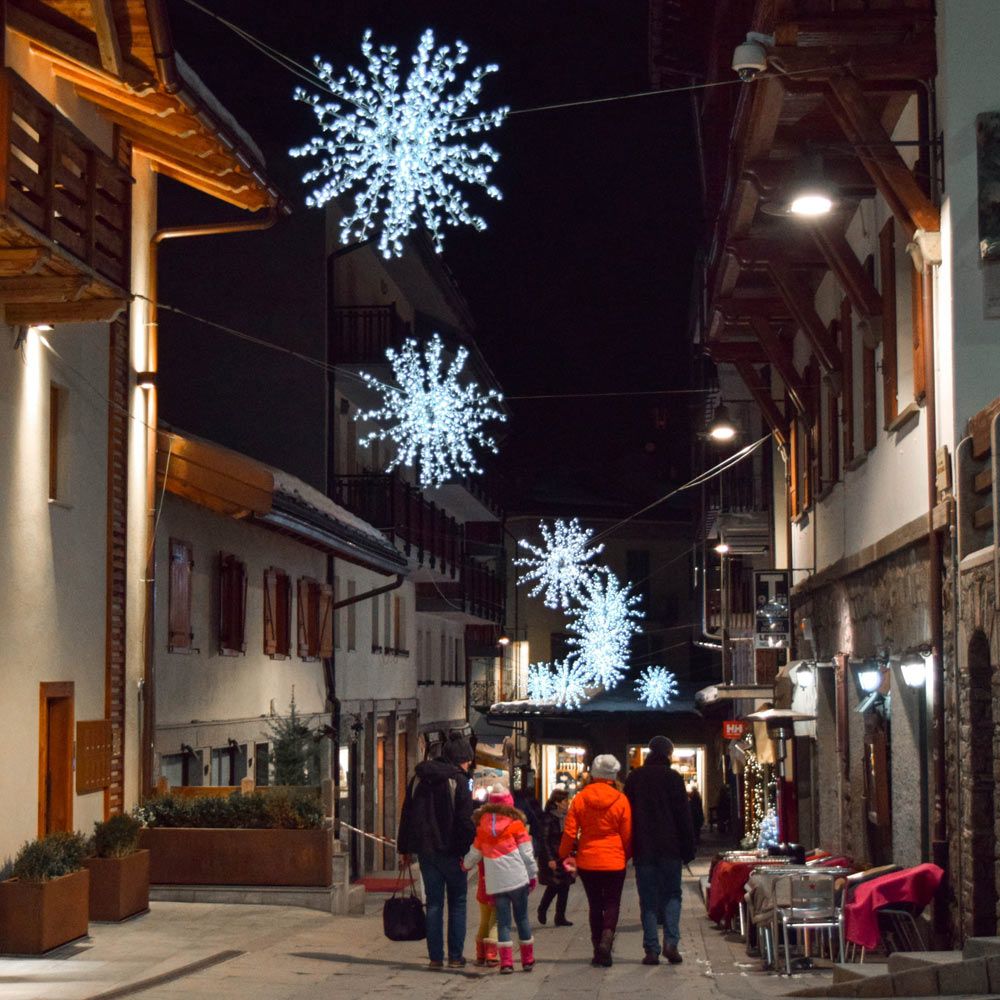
(733, 729)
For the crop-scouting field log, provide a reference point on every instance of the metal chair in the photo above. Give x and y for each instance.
(812, 906)
(899, 929)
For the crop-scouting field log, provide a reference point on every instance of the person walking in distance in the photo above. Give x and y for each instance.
(663, 840)
(436, 825)
(503, 846)
(551, 873)
(598, 829)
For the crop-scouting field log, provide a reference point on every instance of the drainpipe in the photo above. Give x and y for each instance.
(152, 417)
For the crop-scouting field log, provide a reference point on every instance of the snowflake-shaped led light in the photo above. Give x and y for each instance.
(559, 566)
(561, 683)
(657, 687)
(431, 418)
(604, 625)
(540, 682)
(399, 150)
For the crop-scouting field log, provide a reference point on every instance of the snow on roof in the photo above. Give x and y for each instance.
(311, 497)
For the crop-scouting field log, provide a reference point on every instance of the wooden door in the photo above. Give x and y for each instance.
(878, 793)
(380, 804)
(55, 758)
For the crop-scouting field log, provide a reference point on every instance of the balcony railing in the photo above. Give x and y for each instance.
(59, 187)
(362, 334)
(483, 591)
(400, 510)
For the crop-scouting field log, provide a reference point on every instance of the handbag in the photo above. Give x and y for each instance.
(403, 916)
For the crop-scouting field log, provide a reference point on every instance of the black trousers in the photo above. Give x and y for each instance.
(560, 893)
(604, 897)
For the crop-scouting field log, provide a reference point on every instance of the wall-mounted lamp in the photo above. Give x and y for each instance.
(503, 640)
(721, 547)
(145, 380)
(915, 665)
(721, 429)
(811, 194)
(869, 676)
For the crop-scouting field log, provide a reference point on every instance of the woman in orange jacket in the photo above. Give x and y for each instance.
(598, 830)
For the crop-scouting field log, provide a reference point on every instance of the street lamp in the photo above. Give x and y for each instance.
(721, 429)
(811, 194)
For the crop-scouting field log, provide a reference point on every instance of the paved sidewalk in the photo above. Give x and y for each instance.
(218, 952)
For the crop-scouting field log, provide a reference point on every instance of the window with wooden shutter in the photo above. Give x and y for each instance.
(232, 605)
(793, 467)
(307, 611)
(277, 614)
(94, 746)
(180, 638)
(338, 616)
(887, 273)
(919, 289)
(376, 638)
(315, 619)
(325, 630)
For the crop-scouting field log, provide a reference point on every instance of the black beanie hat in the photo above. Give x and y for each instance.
(457, 750)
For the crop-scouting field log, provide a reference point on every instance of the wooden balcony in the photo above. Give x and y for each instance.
(477, 595)
(362, 334)
(64, 216)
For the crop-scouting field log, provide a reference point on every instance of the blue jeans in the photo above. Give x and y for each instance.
(659, 884)
(518, 902)
(442, 872)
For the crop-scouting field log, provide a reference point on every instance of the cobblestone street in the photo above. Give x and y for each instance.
(202, 950)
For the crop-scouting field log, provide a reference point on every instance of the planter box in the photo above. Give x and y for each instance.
(119, 887)
(189, 856)
(36, 917)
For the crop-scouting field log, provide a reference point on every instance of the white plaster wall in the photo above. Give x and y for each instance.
(440, 702)
(205, 685)
(52, 555)
(968, 36)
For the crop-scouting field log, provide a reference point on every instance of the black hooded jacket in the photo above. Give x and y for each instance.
(661, 813)
(437, 812)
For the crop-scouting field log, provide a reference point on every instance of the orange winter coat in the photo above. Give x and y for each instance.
(603, 817)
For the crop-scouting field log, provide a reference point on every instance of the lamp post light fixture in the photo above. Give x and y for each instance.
(721, 429)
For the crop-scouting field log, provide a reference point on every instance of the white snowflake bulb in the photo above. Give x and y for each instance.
(559, 566)
(604, 625)
(657, 687)
(399, 150)
(540, 682)
(562, 683)
(431, 418)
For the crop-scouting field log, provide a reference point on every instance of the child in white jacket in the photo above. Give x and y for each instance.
(503, 844)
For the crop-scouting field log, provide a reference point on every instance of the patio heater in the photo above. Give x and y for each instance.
(780, 724)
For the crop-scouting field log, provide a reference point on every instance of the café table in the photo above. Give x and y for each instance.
(727, 879)
(913, 887)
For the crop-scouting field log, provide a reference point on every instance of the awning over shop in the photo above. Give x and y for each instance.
(717, 693)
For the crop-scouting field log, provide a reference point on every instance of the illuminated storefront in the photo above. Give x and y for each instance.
(687, 761)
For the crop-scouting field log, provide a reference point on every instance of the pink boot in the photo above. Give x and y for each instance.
(506, 950)
(528, 954)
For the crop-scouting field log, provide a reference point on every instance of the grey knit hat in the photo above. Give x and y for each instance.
(605, 767)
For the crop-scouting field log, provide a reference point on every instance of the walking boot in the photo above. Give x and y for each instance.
(506, 952)
(492, 958)
(651, 958)
(528, 954)
(672, 955)
(603, 951)
(480, 952)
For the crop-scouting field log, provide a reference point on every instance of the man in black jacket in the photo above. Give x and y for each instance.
(662, 841)
(436, 825)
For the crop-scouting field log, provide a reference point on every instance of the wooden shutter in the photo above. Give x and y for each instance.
(303, 617)
(283, 615)
(847, 379)
(94, 745)
(232, 605)
(270, 612)
(920, 288)
(180, 638)
(324, 631)
(887, 269)
(793, 468)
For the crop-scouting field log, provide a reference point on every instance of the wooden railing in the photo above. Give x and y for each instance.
(362, 334)
(59, 186)
(483, 591)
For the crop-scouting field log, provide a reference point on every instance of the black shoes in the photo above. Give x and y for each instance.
(602, 953)
(672, 955)
(651, 958)
(542, 917)
(562, 922)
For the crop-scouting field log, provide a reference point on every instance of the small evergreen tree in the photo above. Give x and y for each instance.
(295, 755)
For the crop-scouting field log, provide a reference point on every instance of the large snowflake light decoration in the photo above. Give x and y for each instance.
(431, 418)
(399, 150)
(657, 687)
(604, 625)
(561, 683)
(559, 566)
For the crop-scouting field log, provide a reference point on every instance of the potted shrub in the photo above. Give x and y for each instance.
(256, 839)
(45, 902)
(119, 870)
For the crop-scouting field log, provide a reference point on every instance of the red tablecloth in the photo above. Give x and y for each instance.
(727, 880)
(915, 886)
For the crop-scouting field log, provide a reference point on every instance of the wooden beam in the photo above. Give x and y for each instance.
(916, 60)
(762, 397)
(108, 44)
(780, 356)
(906, 199)
(731, 351)
(736, 306)
(853, 278)
(22, 260)
(794, 246)
(800, 304)
(42, 288)
(84, 311)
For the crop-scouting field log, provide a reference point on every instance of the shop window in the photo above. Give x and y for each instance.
(232, 605)
(229, 764)
(172, 768)
(180, 637)
(277, 614)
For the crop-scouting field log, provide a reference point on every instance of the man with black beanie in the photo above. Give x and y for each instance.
(662, 841)
(436, 825)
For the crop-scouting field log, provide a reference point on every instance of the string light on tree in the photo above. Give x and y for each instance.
(768, 836)
(657, 687)
(559, 566)
(399, 149)
(604, 625)
(432, 419)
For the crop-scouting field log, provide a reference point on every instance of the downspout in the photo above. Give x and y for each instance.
(152, 418)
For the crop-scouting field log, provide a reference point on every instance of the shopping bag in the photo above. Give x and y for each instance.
(403, 914)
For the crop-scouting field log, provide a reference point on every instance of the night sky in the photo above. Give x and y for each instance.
(581, 283)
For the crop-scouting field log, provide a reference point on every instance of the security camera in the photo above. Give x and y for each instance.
(750, 57)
